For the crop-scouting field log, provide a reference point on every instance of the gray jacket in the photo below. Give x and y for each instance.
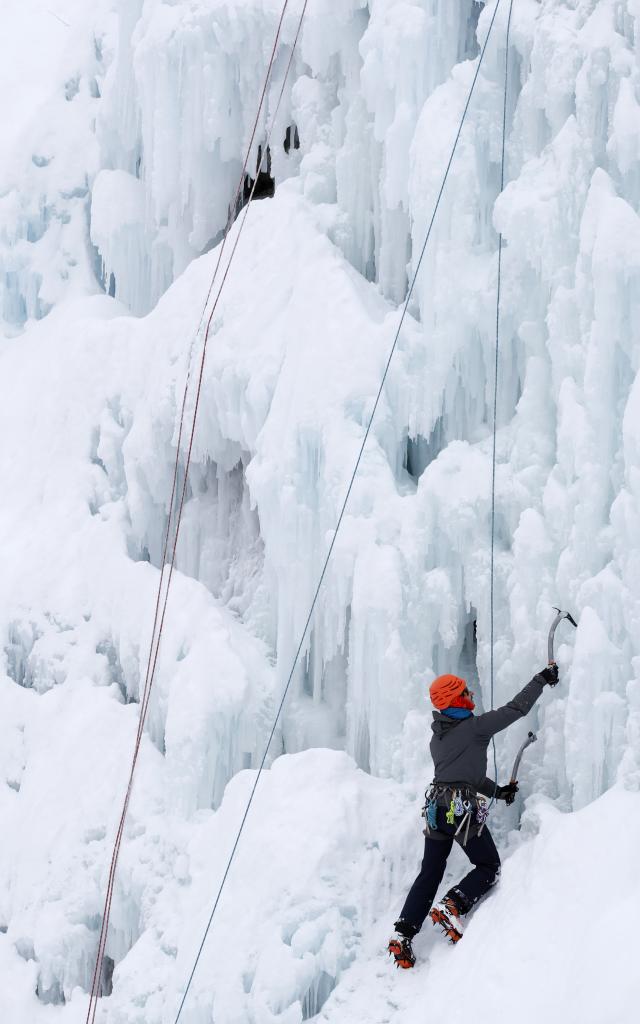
(459, 746)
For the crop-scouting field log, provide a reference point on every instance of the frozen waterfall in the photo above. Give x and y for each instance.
(124, 139)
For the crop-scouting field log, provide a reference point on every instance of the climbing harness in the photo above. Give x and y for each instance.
(462, 801)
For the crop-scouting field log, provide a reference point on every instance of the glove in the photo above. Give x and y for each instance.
(507, 793)
(550, 675)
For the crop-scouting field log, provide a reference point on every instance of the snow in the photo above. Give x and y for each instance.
(119, 162)
(318, 925)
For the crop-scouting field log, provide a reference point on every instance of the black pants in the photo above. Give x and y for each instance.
(481, 851)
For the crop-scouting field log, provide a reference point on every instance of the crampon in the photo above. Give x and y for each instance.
(446, 914)
(401, 951)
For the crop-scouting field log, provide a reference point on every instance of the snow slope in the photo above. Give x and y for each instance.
(553, 942)
(530, 951)
(117, 171)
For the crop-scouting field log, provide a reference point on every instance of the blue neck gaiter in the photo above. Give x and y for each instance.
(457, 713)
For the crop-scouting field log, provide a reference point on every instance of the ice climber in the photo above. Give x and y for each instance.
(456, 808)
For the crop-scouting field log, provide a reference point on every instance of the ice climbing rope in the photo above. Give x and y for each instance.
(340, 514)
(158, 620)
(495, 406)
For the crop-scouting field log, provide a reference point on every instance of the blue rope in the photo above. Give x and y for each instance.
(341, 514)
(495, 398)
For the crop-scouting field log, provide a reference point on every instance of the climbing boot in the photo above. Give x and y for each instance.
(446, 914)
(400, 949)
(400, 945)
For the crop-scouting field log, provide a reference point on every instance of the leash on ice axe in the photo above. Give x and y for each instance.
(531, 737)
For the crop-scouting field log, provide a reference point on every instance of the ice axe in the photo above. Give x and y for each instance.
(531, 737)
(552, 632)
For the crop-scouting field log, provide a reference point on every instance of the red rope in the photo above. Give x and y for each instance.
(159, 617)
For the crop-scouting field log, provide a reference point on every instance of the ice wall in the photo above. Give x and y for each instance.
(354, 100)
(375, 134)
(145, 122)
(178, 87)
(51, 65)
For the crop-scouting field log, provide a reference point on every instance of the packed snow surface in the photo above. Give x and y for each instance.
(121, 151)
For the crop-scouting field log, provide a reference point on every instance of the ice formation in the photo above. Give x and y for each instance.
(119, 164)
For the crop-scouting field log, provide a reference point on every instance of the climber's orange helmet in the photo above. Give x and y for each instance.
(444, 690)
